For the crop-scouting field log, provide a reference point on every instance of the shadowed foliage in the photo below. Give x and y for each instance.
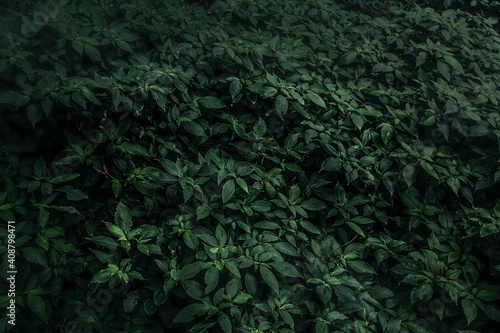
(251, 165)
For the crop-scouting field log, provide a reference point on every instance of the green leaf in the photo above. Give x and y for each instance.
(490, 293)
(64, 178)
(211, 102)
(362, 220)
(260, 127)
(269, 278)
(270, 91)
(357, 120)
(159, 297)
(202, 211)
(241, 298)
(232, 268)
(430, 170)
(160, 98)
(454, 63)
(124, 46)
(34, 255)
(171, 167)
(242, 184)
(492, 312)
(149, 307)
(225, 323)
(361, 267)
(76, 195)
(115, 230)
(43, 217)
(130, 302)
(294, 193)
(221, 235)
(78, 46)
(189, 271)
(321, 327)
(287, 318)
(104, 241)
(117, 188)
(478, 130)
(103, 276)
(293, 167)
(210, 240)
(299, 98)
(309, 227)
(325, 293)
(47, 105)
(163, 266)
(218, 51)
(116, 96)
(22, 100)
(261, 206)
(408, 174)
(191, 240)
(454, 183)
(489, 229)
(386, 133)
(194, 289)
(313, 204)
(421, 293)
(410, 198)
(34, 113)
(92, 52)
(188, 313)
(235, 88)
(331, 164)
(251, 283)
(471, 273)
(134, 149)
(347, 58)
(316, 99)
(90, 95)
(267, 225)
(470, 310)
(193, 128)
(103, 257)
(273, 79)
(356, 228)
(444, 69)
(285, 268)
(380, 292)
(286, 248)
(228, 191)
(335, 315)
(345, 294)
(421, 58)
(379, 68)
(211, 279)
(37, 305)
(281, 105)
(123, 217)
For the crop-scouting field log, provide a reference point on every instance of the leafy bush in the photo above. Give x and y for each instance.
(251, 166)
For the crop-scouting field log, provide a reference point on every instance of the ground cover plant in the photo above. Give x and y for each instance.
(251, 165)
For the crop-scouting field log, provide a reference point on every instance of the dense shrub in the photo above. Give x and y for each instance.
(251, 166)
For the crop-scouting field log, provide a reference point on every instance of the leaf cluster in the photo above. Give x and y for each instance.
(252, 166)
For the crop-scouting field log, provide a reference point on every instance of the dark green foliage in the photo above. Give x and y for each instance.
(252, 166)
